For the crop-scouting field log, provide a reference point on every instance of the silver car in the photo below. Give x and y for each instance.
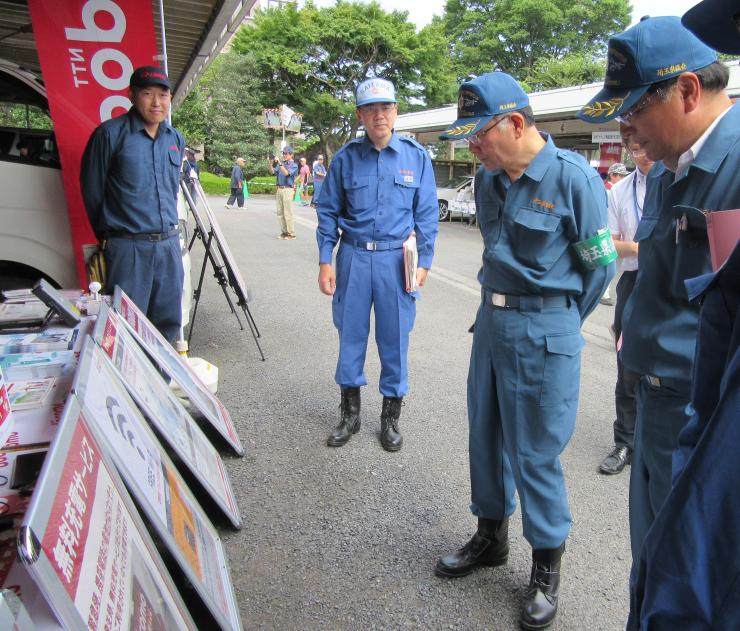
(447, 195)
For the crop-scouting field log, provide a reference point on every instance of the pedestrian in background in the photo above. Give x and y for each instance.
(130, 179)
(319, 174)
(547, 259)
(286, 172)
(625, 200)
(304, 174)
(667, 90)
(379, 190)
(237, 184)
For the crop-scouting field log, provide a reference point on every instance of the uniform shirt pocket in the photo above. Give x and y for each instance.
(562, 369)
(404, 190)
(536, 236)
(357, 190)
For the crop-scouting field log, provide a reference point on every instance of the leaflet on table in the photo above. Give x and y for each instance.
(26, 395)
(52, 338)
(156, 485)
(6, 417)
(164, 410)
(25, 366)
(85, 545)
(177, 368)
(21, 313)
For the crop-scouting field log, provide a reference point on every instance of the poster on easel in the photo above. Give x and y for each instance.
(167, 415)
(156, 485)
(176, 368)
(86, 547)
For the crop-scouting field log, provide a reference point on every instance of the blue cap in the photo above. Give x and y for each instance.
(375, 91)
(287, 149)
(653, 50)
(479, 100)
(716, 23)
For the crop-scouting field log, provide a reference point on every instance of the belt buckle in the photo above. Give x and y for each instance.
(498, 300)
(371, 245)
(653, 381)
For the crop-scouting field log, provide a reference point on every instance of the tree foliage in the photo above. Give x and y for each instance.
(312, 60)
(224, 112)
(514, 35)
(555, 72)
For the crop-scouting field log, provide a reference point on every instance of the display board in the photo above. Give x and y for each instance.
(163, 409)
(155, 484)
(86, 546)
(6, 417)
(176, 368)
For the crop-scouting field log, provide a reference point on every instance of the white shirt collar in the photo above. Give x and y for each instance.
(686, 159)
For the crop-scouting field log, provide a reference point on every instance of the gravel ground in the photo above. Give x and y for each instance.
(347, 538)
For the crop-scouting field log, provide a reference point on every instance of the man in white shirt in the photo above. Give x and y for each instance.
(626, 199)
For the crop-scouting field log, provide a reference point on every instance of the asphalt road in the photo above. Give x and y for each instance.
(347, 538)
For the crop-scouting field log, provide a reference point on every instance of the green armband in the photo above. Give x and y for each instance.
(598, 251)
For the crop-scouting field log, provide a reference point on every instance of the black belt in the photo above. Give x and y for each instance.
(373, 246)
(144, 236)
(524, 303)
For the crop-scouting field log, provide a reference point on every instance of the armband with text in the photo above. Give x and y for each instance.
(598, 251)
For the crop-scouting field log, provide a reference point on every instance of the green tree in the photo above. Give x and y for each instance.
(225, 113)
(312, 59)
(559, 72)
(512, 35)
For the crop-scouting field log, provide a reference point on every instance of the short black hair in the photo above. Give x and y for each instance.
(528, 115)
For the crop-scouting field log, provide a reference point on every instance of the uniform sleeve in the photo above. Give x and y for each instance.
(426, 213)
(293, 169)
(589, 207)
(94, 167)
(329, 206)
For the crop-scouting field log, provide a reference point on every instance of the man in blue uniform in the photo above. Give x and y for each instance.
(130, 177)
(236, 184)
(692, 581)
(547, 259)
(285, 173)
(378, 191)
(667, 90)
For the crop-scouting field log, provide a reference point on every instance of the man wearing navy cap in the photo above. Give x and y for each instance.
(667, 90)
(129, 178)
(378, 191)
(547, 259)
(285, 173)
(691, 581)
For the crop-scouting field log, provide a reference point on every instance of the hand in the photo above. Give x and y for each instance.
(421, 276)
(327, 280)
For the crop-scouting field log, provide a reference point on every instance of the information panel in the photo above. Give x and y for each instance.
(156, 485)
(86, 546)
(177, 368)
(163, 409)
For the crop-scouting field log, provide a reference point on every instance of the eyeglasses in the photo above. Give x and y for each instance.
(476, 139)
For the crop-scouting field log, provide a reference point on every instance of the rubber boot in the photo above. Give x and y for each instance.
(350, 418)
(541, 598)
(390, 436)
(489, 547)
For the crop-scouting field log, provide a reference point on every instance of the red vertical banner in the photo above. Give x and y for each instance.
(609, 154)
(88, 50)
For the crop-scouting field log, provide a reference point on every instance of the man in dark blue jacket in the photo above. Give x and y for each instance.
(129, 177)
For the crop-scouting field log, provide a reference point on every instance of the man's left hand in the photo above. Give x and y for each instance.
(421, 276)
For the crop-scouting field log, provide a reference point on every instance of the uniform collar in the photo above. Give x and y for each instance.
(719, 143)
(541, 162)
(367, 146)
(137, 123)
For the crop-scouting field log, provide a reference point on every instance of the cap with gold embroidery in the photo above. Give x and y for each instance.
(479, 100)
(653, 50)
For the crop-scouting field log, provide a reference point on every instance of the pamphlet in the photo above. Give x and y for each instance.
(410, 262)
(24, 395)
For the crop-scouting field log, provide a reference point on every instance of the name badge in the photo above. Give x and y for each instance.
(409, 179)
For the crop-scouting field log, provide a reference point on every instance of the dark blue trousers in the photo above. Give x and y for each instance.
(151, 273)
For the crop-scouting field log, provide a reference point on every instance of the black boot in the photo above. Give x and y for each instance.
(350, 423)
(489, 547)
(390, 436)
(541, 599)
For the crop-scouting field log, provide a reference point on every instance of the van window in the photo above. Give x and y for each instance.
(24, 116)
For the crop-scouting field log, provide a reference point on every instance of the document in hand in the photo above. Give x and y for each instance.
(723, 230)
(410, 262)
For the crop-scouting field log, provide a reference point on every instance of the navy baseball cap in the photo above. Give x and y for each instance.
(479, 100)
(145, 76)
(375, 90)
(716, 23)
(653, 50)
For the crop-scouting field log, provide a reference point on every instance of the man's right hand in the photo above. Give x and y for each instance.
(327, 280)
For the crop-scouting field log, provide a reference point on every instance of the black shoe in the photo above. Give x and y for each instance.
(350, 423)
(489, 547)
(390, 435)
(609, 302)
(541, 598)
(619, 457)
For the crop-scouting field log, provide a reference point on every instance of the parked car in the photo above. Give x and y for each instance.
(464, 203)
(447, 194)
